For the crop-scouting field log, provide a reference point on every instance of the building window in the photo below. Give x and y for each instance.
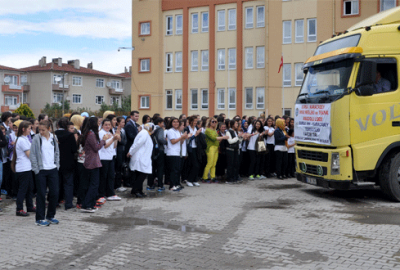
(178, 99)
(195, 60)
(249, 57)
(195, 23)
(168, 99)
(249, 98)
(57, 97)
(298, 73)
(312, 30)
(178, 62)
(24, 80)
(115, 84)
(249, 17)
(260, 97)
(204, 60)
(170, 26)
(58, 79)
(76, 98)
(24, 98)
(260, 16)
(287, 112)
(11, 79)
(232, 19)
(287, 75)
(144, 65)
(145, 102)
(232, 98)
(350, 7)
(221, 20)
(99, 100)
(204, 22)
(387, 4)
(145, 28)
(168, 62)
(194, 95)
(179, 24)
(221, 99)
(115, 100)
(232, 58)
(204, 98)
(76, 81)
(100, 83)
(299, 31)
(261, 57)
(221, 59)
(12, 100)
(287, 32)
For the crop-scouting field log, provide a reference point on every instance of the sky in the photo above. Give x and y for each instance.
(88, 30)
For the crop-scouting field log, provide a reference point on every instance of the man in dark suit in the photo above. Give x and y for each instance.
(131, 130)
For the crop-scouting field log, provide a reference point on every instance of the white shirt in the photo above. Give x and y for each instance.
(48, 153)
(250, 128)
(270, 140)
(173, 149)
(193, 131)
(23, 164)
(289, 142)
(252, 142)
(184, 148)
(106, 153)
(281, 148)
(6, 126)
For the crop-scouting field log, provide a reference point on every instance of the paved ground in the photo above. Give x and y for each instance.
(267, 224)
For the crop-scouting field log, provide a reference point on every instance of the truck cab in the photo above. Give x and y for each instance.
(347, 114)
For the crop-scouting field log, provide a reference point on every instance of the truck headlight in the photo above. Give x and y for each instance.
(335, 167)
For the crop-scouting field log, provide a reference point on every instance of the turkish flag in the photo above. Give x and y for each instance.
(281, 65)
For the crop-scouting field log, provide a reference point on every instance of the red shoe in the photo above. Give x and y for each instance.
(79, 206)
(22, 213)
(1, 199)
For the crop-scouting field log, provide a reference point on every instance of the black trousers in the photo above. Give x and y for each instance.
(8, 178)
(185, 168)
(244, 163)
(167, 171)
(92, 181)
(232, 161)
(107, 176)
(194, 166)
(270, 160)
(281, 162)
(25, 186)
(118, 167)
(221, 165)
(291, 164)
(174, 163)
(83, 182)
(66, 180)
(137, 180)
(44, 179)
(158, 171)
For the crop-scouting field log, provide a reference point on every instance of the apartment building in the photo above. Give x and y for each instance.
(222, 56)
(14, 88)
(82, 87)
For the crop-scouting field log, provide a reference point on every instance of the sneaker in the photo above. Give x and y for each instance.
(31, 210)
(79, 206)
(251, 177)
(88, 210)
(196, 184)
(263, 177)
(114, 198)
(161, 189)
(22, 213)
(52, 221)
(4, 192)
(175, 188)
(42, 223)
(215, 181)
(121, 189)
(97, 206)
(100, 201)
(189, 184)
(150, 188)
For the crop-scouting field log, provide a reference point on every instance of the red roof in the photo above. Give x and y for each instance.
(69, 68)
(8, 68)
(126, 74)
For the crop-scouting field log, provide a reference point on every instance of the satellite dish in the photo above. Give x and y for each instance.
(7, 79)
(57, 79)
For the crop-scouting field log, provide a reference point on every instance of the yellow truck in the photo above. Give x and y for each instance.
(347, 114)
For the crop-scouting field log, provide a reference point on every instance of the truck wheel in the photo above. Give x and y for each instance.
(389, 177)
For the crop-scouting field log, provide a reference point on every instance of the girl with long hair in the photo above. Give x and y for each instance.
(256, 160)
(270, 143)
(280, 148)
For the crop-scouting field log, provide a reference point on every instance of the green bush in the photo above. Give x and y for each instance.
(24, 109)
(55, 110)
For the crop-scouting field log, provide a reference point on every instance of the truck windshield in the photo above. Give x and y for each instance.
(325, 83)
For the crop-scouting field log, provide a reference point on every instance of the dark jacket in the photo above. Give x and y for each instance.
(201, 146)
(280, 137)
(159, 134)
(68, 148)
(131, 133)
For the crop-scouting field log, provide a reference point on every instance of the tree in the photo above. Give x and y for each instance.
(55, 110)
(24, 109)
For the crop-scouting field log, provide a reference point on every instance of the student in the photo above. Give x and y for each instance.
(256, 160)
(45, 160)
(80, 169)
(291, 154)
(270, 143)
(3, 145)
(232, 152)
(280, 149)
(23, 169)
(120, 154)
(193, 163)
(221, 163)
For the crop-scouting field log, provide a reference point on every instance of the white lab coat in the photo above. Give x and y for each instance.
(141, 151)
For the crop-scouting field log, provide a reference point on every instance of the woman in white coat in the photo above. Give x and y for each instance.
(140, 164)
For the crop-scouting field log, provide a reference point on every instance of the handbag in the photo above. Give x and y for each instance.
(261, 147)
(126, 171)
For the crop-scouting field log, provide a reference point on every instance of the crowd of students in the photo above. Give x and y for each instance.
(91, 158)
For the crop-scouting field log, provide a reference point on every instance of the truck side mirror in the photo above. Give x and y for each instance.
(367, 78)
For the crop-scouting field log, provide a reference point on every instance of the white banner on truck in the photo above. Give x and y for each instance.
(313, 123)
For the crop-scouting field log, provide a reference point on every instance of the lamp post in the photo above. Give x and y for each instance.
(126, 48)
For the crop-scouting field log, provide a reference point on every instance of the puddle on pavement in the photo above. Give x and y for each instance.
(278, 204)
(154, 194)
(375, 217)
(283, 186)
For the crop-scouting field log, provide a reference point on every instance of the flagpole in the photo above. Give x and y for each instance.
(283, 93)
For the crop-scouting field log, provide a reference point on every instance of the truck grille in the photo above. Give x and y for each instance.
(311, 155)
(312, 169)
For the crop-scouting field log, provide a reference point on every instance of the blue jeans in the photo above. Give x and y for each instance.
(1, 173)
(25, 186)
(93, 177)
(44, 179)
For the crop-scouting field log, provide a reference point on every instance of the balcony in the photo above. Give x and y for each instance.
(60, 87)
(115, 91)
(11, 88)
(26, 88)
(6, 108)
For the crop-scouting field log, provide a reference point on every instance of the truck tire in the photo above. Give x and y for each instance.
(389, 177)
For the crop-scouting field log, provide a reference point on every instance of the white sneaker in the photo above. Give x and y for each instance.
(114, 198)
(196, 184)
(174, 188)
(89, 210)
(189, 184)
(121, 189)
